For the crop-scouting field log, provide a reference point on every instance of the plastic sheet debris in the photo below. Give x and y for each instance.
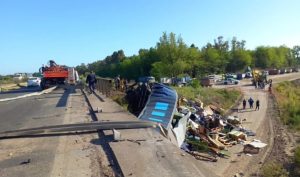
(257, 144)
(253, 147)
(233, 120)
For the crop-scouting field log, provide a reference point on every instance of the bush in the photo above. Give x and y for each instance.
(273, 169)
(297, 157)
(296, 170)
(195, 83)
(120, 99)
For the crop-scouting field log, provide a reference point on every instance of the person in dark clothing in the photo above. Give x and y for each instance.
(257, 105)
(251, 101)
(91, 81)
(125, 84)
(118, 82)
(244, 104)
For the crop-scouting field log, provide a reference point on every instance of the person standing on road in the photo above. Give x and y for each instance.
(270, 86)
(257, 105)
(91, 81)
(244, 104)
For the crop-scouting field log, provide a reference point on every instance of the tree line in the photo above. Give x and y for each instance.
(172, 57)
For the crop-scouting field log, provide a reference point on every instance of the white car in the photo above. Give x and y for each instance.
(33, 81)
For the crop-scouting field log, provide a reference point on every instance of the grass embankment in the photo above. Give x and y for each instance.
(120, 99)
(288, 97)
(223, 98)
(8, 87)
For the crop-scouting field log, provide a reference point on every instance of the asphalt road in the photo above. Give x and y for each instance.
(35, 156)
(19, 92)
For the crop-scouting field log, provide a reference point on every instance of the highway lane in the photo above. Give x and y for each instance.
(19, 92)
(47, 109)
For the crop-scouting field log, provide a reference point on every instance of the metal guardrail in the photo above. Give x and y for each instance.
(105, 86)
(78, 127)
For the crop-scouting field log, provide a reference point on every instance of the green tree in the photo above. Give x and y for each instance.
(239, 60)
(172, 53)
(296, 53)
(81, 69)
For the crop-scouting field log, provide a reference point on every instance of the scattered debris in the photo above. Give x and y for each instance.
(233, 120)
(237, 135)
(208, 135)
(253, 147)
(134, 141)
(205, 157)
(117, 135)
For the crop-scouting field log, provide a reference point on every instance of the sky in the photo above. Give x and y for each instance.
(72, 32)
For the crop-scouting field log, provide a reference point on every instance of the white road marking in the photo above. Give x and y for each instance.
(29, 95)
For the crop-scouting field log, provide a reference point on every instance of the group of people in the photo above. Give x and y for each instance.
(251, 102)
(120, 84)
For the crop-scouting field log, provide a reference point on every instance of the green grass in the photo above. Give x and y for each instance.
(288, 96)
(220, 97)
(6, 80)
(274, 169)
(296, 170)
(223, 98)
(120, 99)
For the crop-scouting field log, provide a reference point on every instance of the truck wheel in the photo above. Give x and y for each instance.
(43, 84)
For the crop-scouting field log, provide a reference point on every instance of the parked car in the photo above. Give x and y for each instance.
(289, 70)
(230, 81)
(248, 75)
(146, 79)
(274, 71)
(33, 81)
(282, 71)
(240, 76)
(295, 69)
(266, 73)
(207, 82)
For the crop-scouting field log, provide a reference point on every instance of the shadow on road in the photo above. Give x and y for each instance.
(249, 110)
(99, 97)
(62, 102)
